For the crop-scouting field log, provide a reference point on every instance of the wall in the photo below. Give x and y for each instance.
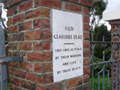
(30, 35)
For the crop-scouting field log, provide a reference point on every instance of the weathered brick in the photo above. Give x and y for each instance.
(41, 23)
(13, 64)
(72, 7)
(13, 46)
(76, 1)
(13, 29)
(46, 34)
(10, 21)
(35, 78)
(84, 87)
(46, 45)
(27, 85)
(48, 78)
(86, 27)
(25, 46)
(48, 3)
(86, 70)
(40, 12)
(74, 82)
(27, 66)
(86, 53)
(86, 36)
(25, 26)
(25, 6)
(16, 81)
(86, 19)
(86, 78)
(33, 35)
(35, 56)
(12, 11)
(19, 73)
(16, 88)
(86, 62)
(11, 71)
(48, 67)
(86, 44)
(56, 86)
(12, 2)
(38, 67)
(86, 11)
(86, 2)
(47, 56)
(11, 87)
(39, 87)
(18, 37)
(18, 18)
(37, 46)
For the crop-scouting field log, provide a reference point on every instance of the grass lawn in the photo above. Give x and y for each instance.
(101, 83)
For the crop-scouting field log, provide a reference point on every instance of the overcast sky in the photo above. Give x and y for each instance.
(112, 6)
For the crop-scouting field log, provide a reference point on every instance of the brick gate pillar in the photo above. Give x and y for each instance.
(30, 35)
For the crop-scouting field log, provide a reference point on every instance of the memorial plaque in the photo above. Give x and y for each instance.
(67, 45)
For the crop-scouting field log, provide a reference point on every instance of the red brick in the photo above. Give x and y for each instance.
(48, 3)
(46, 34)
(27, 85)
(86, 53)
(18, 37)
(86, 27)
(86, 11)
(16, 81)
(86, 36)
(40, 12)
(35, 78)
(86, 70)
(11, 87)
(18, 18)
(13, 29)
(86, 78)
(16, 88)
(48, 78)
(47, 56)
(56, 86)
(11, 71)
(115, 39)
(38, 67)
(13, 64)
(86, 2)
(74, 82)
(20, 73)
(72, 7)
(10, 21)
(86, 44)
(41, 23)
(12, 2)
(86, 62)
(25, 46)
(35, 56)
(25, 26)
(12, 11)
(33, 35)
(46, 45)
(37, 46)
(13, 46)
(9, 37)
(25, 6)
(86, 19)
(27, 66)
(48, 67)
(40, 87)
(76, 1)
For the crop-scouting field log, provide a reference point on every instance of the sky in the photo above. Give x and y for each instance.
(112, 6)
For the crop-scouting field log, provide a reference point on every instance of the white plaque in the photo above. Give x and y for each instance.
(67, 45)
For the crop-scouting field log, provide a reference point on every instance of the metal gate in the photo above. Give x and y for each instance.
(106, 79)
